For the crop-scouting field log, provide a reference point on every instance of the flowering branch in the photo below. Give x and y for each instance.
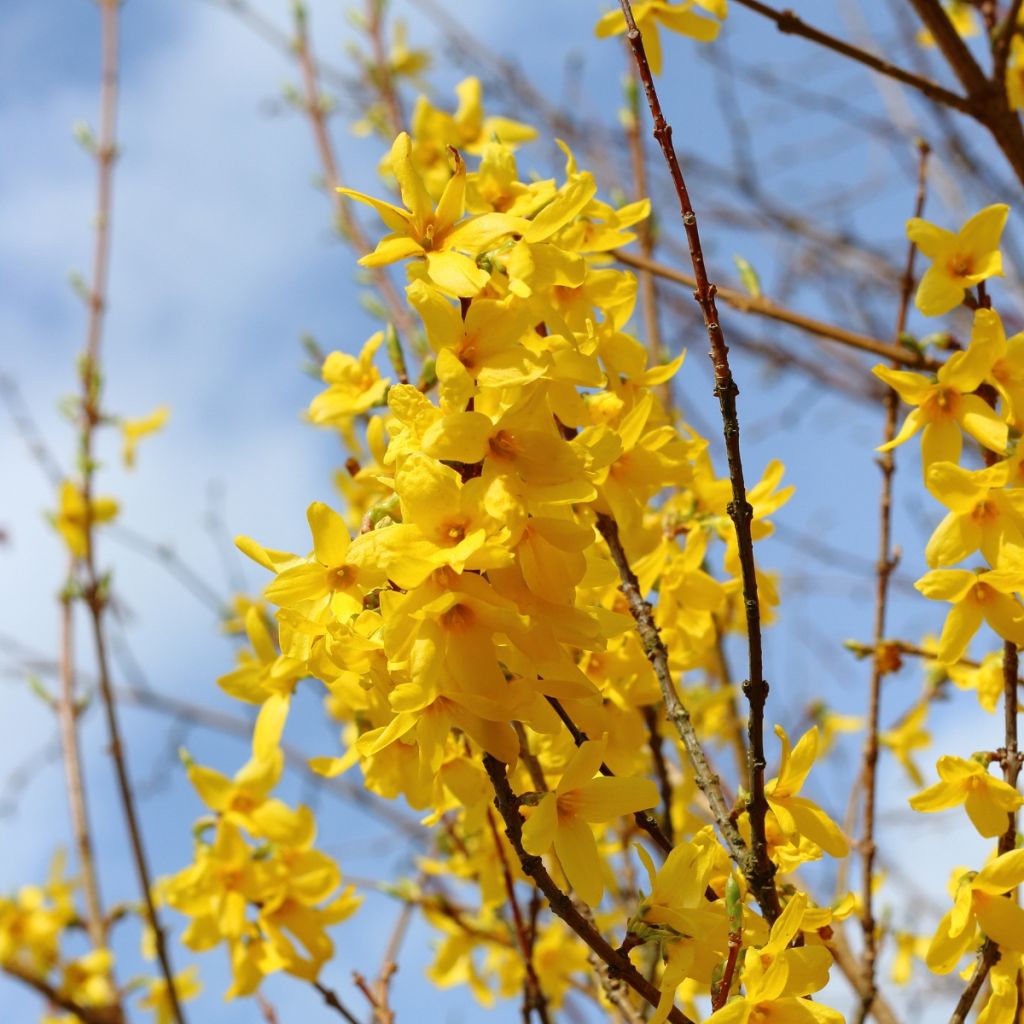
(760, 306)
(759, 869)
(508, 807)
(887, 561)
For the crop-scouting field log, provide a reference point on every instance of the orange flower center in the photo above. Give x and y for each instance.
(985, 511)
(454, 530)
(503, 445)
(458, 619)
(942, 404)
(960, 264)
(341, 577)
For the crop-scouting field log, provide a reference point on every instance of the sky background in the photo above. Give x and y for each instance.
(223, 257)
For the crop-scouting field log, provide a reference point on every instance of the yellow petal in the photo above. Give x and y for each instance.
(602, 799)
(577, 853)
(330, 535)
(539, 828)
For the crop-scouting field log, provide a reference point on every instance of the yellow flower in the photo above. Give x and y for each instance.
(335, 577)
(776, 977)
(960, 260)
(986, 799)
(649, 14)
(245, 801)
(71, 517)
(266, 678)
(976, 597)
(982, 514)
(944, 405)
(354, 386)
(439, 236)
(133, 430)
(980, 903)
(444, 522)
(563, 818)
(986, 679)
(797, 816)
(906, 736)
(157, 998)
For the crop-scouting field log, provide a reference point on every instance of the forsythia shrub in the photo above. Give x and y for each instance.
(516, 616)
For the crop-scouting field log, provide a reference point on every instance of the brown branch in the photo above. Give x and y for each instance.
(1002, 38)
(330, 997)
(1009, 757)
(67, 717)
(738, 733)
(760, 306)
(848, 964)
(93, 587)
(379, 72)
(348, 225)
(644, 231)
(656, 745)
(988, 100)
(760, 870)
(787, 22)
(677, 713)
(988, 956)
(887, 560)
(619, 965)
(54, 997)
(534, 999)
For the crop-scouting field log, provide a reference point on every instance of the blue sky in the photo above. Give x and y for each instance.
(223, 257)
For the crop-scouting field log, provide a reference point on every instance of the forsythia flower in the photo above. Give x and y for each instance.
(678, 17)
(354, 386)
(71, 517)
(563, 818)
(775, 978)
(134, 430)
(439, 236)
(982, 514)
(987, 800)
(980, 903)
(157, 997)
(976, 597)
(797, 816)
(960, 260)
(945, 406)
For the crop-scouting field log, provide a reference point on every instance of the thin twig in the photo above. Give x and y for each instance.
(67, 717)
(85, 1014)
(348, 225)
(507, 804)
(330, 997)
(93, 586)
(787, 22)
(1002, 39)
(761, 306)
(677, 712)
(379, 72)
(644, 231)
(656, 745)
(987, 958)
(534, 999)
(759, 869)
(988, 100)
(887, 560)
